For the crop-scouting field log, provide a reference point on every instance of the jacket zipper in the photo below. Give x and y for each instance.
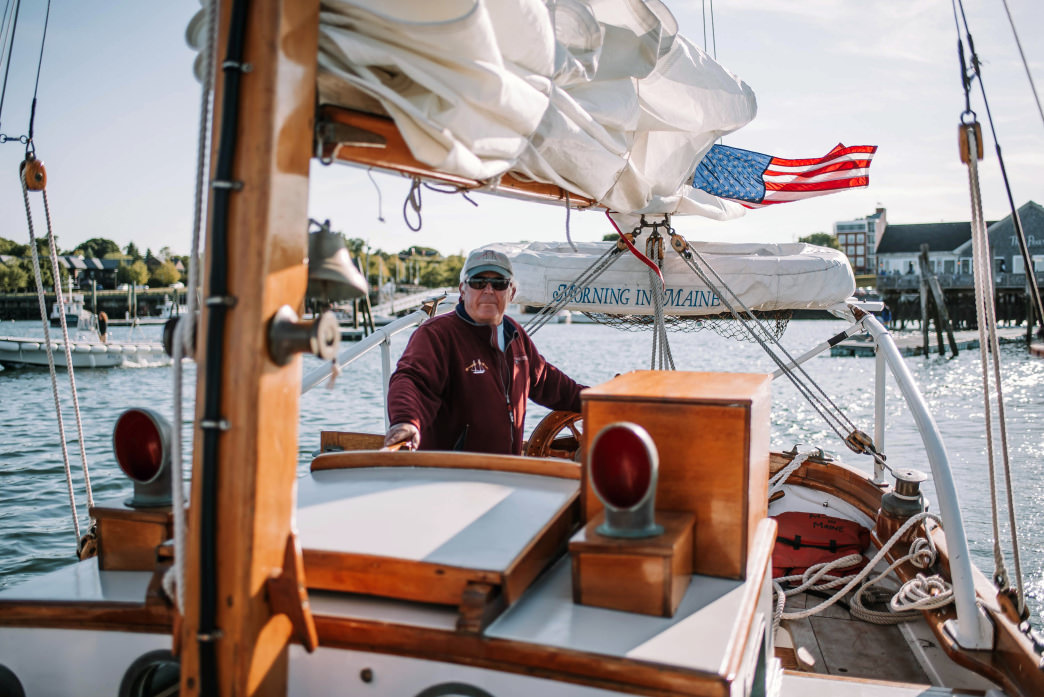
(503, 386)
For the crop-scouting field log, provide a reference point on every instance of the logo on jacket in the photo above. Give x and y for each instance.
(477, 367)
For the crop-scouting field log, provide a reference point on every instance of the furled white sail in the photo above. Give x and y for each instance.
(602, 98)
(786, 276)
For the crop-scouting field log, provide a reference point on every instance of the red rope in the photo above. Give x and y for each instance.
(634, 250)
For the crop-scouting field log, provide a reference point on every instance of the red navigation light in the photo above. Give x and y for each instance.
(623, 463)
(140, 440)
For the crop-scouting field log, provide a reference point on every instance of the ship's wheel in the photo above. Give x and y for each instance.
(559, 434)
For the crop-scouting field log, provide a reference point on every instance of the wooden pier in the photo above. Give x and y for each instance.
(911, 343)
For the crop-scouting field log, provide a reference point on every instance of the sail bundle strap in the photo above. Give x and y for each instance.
(38, 276)
(987, 320)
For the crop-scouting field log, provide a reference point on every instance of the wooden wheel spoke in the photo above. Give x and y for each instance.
(557, 435)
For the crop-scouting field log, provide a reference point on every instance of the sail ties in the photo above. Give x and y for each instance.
(34, 178)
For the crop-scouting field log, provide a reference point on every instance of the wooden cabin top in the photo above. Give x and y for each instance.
(681, 386)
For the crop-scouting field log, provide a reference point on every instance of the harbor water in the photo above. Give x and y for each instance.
(36, 523)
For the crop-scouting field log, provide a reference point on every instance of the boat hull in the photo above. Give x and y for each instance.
(32, 352)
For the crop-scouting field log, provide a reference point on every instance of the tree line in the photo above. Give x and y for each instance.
(420, 266)
(16, 270)
(417, 265)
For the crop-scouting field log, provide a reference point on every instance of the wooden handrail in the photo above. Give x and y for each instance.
(547, 467)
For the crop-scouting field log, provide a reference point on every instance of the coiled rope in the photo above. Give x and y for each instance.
(80, 540)
(917, 594)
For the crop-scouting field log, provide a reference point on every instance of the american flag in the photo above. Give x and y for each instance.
(755, 180)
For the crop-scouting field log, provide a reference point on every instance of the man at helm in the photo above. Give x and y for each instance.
(463, 380)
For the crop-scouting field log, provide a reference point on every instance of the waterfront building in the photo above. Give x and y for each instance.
(950, 249)
(858, 239)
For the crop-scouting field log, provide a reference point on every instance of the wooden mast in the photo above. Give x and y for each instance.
(257, 451)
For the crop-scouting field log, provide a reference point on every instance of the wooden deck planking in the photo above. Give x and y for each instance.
(837, 644)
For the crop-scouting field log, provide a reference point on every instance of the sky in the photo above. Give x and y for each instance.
(117, 124)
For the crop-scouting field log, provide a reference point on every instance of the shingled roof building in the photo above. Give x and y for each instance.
(950, 246)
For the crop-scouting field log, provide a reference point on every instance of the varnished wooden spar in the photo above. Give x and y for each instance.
(365, 139)
(267, 245)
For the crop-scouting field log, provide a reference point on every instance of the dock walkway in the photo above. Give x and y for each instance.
(911, 343)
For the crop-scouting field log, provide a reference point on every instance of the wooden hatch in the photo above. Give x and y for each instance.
(462, 529)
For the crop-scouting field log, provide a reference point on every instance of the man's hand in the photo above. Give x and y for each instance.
(405, 433)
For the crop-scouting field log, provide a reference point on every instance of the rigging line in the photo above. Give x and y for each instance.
(5, 25)
(184, 336)
(413, 201)
(1022, 55)
(835, 420)
(39, 65)
(586, 276)
(713, 32)
(10, 52)
(38, 277)
(984, 294)
(380, 198)
(569, 237)
(987, 303)
(53, 244)
(1000, 576)
(704, 26)
(1015, 218)
(831, 420)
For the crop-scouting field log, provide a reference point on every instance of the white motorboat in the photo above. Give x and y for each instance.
(77, 316)
(16, 351)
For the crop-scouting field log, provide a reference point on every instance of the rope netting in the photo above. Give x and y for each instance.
(774, 322)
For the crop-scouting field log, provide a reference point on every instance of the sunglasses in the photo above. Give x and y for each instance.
(479, 283)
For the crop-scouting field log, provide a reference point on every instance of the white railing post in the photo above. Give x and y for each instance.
(321, 374)
(971, 629)
(880, 373)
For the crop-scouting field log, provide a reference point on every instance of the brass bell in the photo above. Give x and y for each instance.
(331, 274)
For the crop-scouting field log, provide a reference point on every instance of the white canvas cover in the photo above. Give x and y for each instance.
(788, 276)
(600, 97)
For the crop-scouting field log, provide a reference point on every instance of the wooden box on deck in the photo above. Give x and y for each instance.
(128, 537)
(712, 434)
(647, 575)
